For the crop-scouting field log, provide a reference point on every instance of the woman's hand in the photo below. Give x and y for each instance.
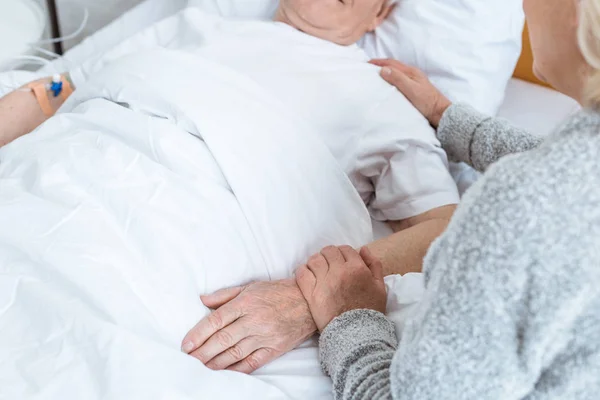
(339, 279)
(417, 88)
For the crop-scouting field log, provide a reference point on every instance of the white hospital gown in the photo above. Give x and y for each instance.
(386, 147)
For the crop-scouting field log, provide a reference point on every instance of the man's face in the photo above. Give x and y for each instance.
(340, 21)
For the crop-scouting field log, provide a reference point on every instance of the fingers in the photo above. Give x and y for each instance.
(333, 255)
(318, 265)
(396, 78)
(254, 361)
(233, 355)
(352, 257)
(373, 263)
(378, 62)
(397, 73)
(220, 297)
(221, 341)
(394, 64)
(210, 325)
(306, 281)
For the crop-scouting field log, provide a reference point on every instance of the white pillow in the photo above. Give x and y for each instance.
(468, 48)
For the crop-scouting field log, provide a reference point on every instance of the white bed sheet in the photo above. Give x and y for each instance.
(120, 216)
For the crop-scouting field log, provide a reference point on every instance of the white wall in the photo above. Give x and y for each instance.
(101, 13)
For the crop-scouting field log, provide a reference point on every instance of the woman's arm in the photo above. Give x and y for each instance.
(479, 140)
(21, 113)
(466, 135)
(510, 309)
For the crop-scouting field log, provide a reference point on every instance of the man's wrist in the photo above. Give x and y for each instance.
(309, 327)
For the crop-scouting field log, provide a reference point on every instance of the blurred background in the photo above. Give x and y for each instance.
(101, 13)
(26, 27)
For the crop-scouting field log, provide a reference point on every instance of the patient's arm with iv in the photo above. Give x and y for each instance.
(26, 108)
(21, 113)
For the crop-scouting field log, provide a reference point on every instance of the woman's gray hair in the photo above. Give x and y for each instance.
(589, 42)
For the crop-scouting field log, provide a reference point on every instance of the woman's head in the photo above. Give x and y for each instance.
(564, 37)
(340, 21)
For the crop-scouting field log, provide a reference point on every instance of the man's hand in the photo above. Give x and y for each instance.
(339, 279)
(252, 326)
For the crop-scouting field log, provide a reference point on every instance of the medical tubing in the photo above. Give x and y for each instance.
(84, 22)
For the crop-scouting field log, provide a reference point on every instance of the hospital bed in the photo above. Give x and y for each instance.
(297, 375)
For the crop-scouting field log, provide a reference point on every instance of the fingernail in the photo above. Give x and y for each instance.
(386, 71)
(187, 347)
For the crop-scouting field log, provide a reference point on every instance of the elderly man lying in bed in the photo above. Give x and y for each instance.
(306, 58)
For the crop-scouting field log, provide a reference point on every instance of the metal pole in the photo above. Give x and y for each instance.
(54, 25)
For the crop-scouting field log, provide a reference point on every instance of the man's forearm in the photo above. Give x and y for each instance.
(20, 113)
(404, 251)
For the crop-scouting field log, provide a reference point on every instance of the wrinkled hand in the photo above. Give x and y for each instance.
(339, 279)
(417, 88)
(252, 326)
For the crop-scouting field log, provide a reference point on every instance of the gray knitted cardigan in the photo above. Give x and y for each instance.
(512, 303)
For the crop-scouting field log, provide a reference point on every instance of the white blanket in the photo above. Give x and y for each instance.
(117, 213)
(114, 221)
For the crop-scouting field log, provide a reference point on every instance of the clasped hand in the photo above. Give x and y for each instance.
(254, 324)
